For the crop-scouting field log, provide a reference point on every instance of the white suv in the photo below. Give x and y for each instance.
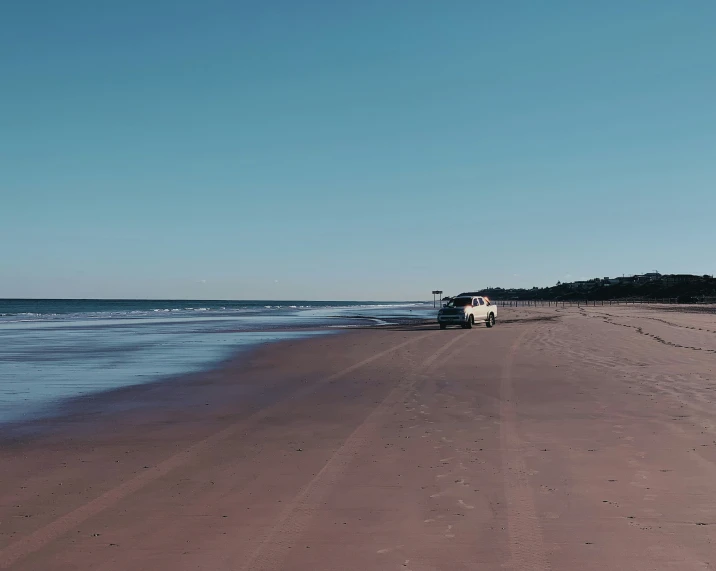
(466, 310)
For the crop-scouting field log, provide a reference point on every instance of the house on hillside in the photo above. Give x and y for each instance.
(648, 277)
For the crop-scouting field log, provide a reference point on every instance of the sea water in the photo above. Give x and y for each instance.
(53, 350)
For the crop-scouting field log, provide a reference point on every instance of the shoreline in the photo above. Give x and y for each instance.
(140, 399)
(46, 364)
(148, 397)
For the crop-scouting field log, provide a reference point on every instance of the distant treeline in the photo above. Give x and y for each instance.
(682, 289)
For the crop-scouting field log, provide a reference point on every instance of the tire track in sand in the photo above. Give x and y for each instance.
(48, 533)
(527, 549)
(271, 552)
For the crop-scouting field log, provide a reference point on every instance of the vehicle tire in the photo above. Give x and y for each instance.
(443, 326)
(490, 320)
(469, 323)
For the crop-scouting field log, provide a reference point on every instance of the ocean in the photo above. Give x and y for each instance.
(52, 350)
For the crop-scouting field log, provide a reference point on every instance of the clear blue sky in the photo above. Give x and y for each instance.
(352, 150)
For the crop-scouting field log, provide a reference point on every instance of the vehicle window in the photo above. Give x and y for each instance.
(482, 301)
(460, 302)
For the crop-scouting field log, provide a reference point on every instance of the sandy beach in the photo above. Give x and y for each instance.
(561, 439)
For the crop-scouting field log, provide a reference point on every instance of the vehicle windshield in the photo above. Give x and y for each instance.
(460, 302)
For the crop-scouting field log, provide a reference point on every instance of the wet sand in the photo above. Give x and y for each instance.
(560, 439)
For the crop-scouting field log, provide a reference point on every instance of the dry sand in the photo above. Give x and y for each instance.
(560, 439)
